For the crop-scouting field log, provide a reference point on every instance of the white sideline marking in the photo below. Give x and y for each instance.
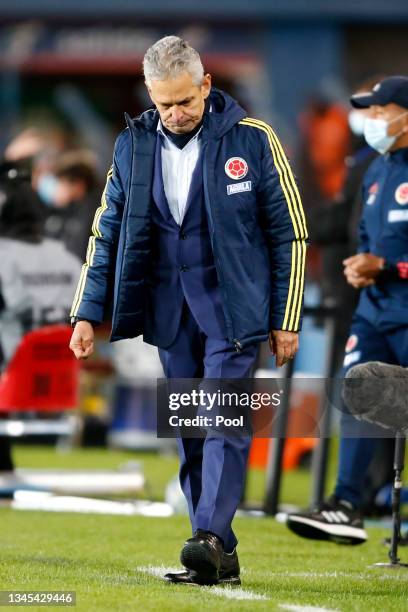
(157, 571)
(312, 574)
(297, 608)
(227, 592)
(375, 573)
(234, 593)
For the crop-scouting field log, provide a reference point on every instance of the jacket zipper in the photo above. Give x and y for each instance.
(235, 341)
(383, 210)
(238, 345)
(130, 128)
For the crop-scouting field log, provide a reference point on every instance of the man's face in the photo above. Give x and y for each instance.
(180, 103)
(396, 116)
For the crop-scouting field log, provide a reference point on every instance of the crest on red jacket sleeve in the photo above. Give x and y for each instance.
(236, 168)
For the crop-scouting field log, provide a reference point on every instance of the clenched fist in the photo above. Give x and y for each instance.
(82, 340)
(284, 345)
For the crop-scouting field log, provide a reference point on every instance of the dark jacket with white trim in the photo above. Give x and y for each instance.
(258, 235)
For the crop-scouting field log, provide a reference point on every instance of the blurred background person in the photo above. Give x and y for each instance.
(334, 229)
(70, 191)
(34, 149)
(379, 329)
(325, 143)
(37, 275)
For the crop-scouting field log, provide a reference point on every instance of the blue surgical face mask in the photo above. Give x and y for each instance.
(356, 121)
(376, 133)
(46, 188)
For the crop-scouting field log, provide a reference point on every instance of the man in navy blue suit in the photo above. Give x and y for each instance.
(201, 237)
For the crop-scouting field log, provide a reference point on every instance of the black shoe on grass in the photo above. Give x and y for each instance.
(203, 554)
(228, 573)
(229, 570)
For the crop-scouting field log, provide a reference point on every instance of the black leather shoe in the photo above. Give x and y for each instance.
(203, 554)
(228, 573)
(229, 570)
(187, 577)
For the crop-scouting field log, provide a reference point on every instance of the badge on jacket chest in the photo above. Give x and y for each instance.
(236, 168)
(401, 194)
(239, 187)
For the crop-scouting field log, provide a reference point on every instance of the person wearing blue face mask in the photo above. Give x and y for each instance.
(379, 330)
(356, 119)
(47, 188)
(384, 130)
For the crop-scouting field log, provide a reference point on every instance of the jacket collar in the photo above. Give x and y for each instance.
(400, 155)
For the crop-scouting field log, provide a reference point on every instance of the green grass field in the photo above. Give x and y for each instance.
(105, 559)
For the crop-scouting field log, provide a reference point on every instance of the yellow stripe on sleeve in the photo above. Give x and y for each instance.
(297, 299)
(292, 275)
(296, 213)
(299, 308)
(284, 170)
(96, 233)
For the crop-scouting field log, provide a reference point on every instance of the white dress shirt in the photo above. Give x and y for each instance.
(177, 169)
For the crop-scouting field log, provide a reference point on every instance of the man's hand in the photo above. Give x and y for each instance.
(357, 281)
(82, 340)
(362, 269)
(284, 345)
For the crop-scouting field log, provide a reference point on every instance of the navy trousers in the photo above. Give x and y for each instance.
(212, 470)
(366, 343)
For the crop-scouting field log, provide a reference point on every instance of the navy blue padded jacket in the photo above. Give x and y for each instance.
(256, 223)
(384, 232)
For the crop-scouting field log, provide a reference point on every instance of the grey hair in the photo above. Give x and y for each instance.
(169, 57)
